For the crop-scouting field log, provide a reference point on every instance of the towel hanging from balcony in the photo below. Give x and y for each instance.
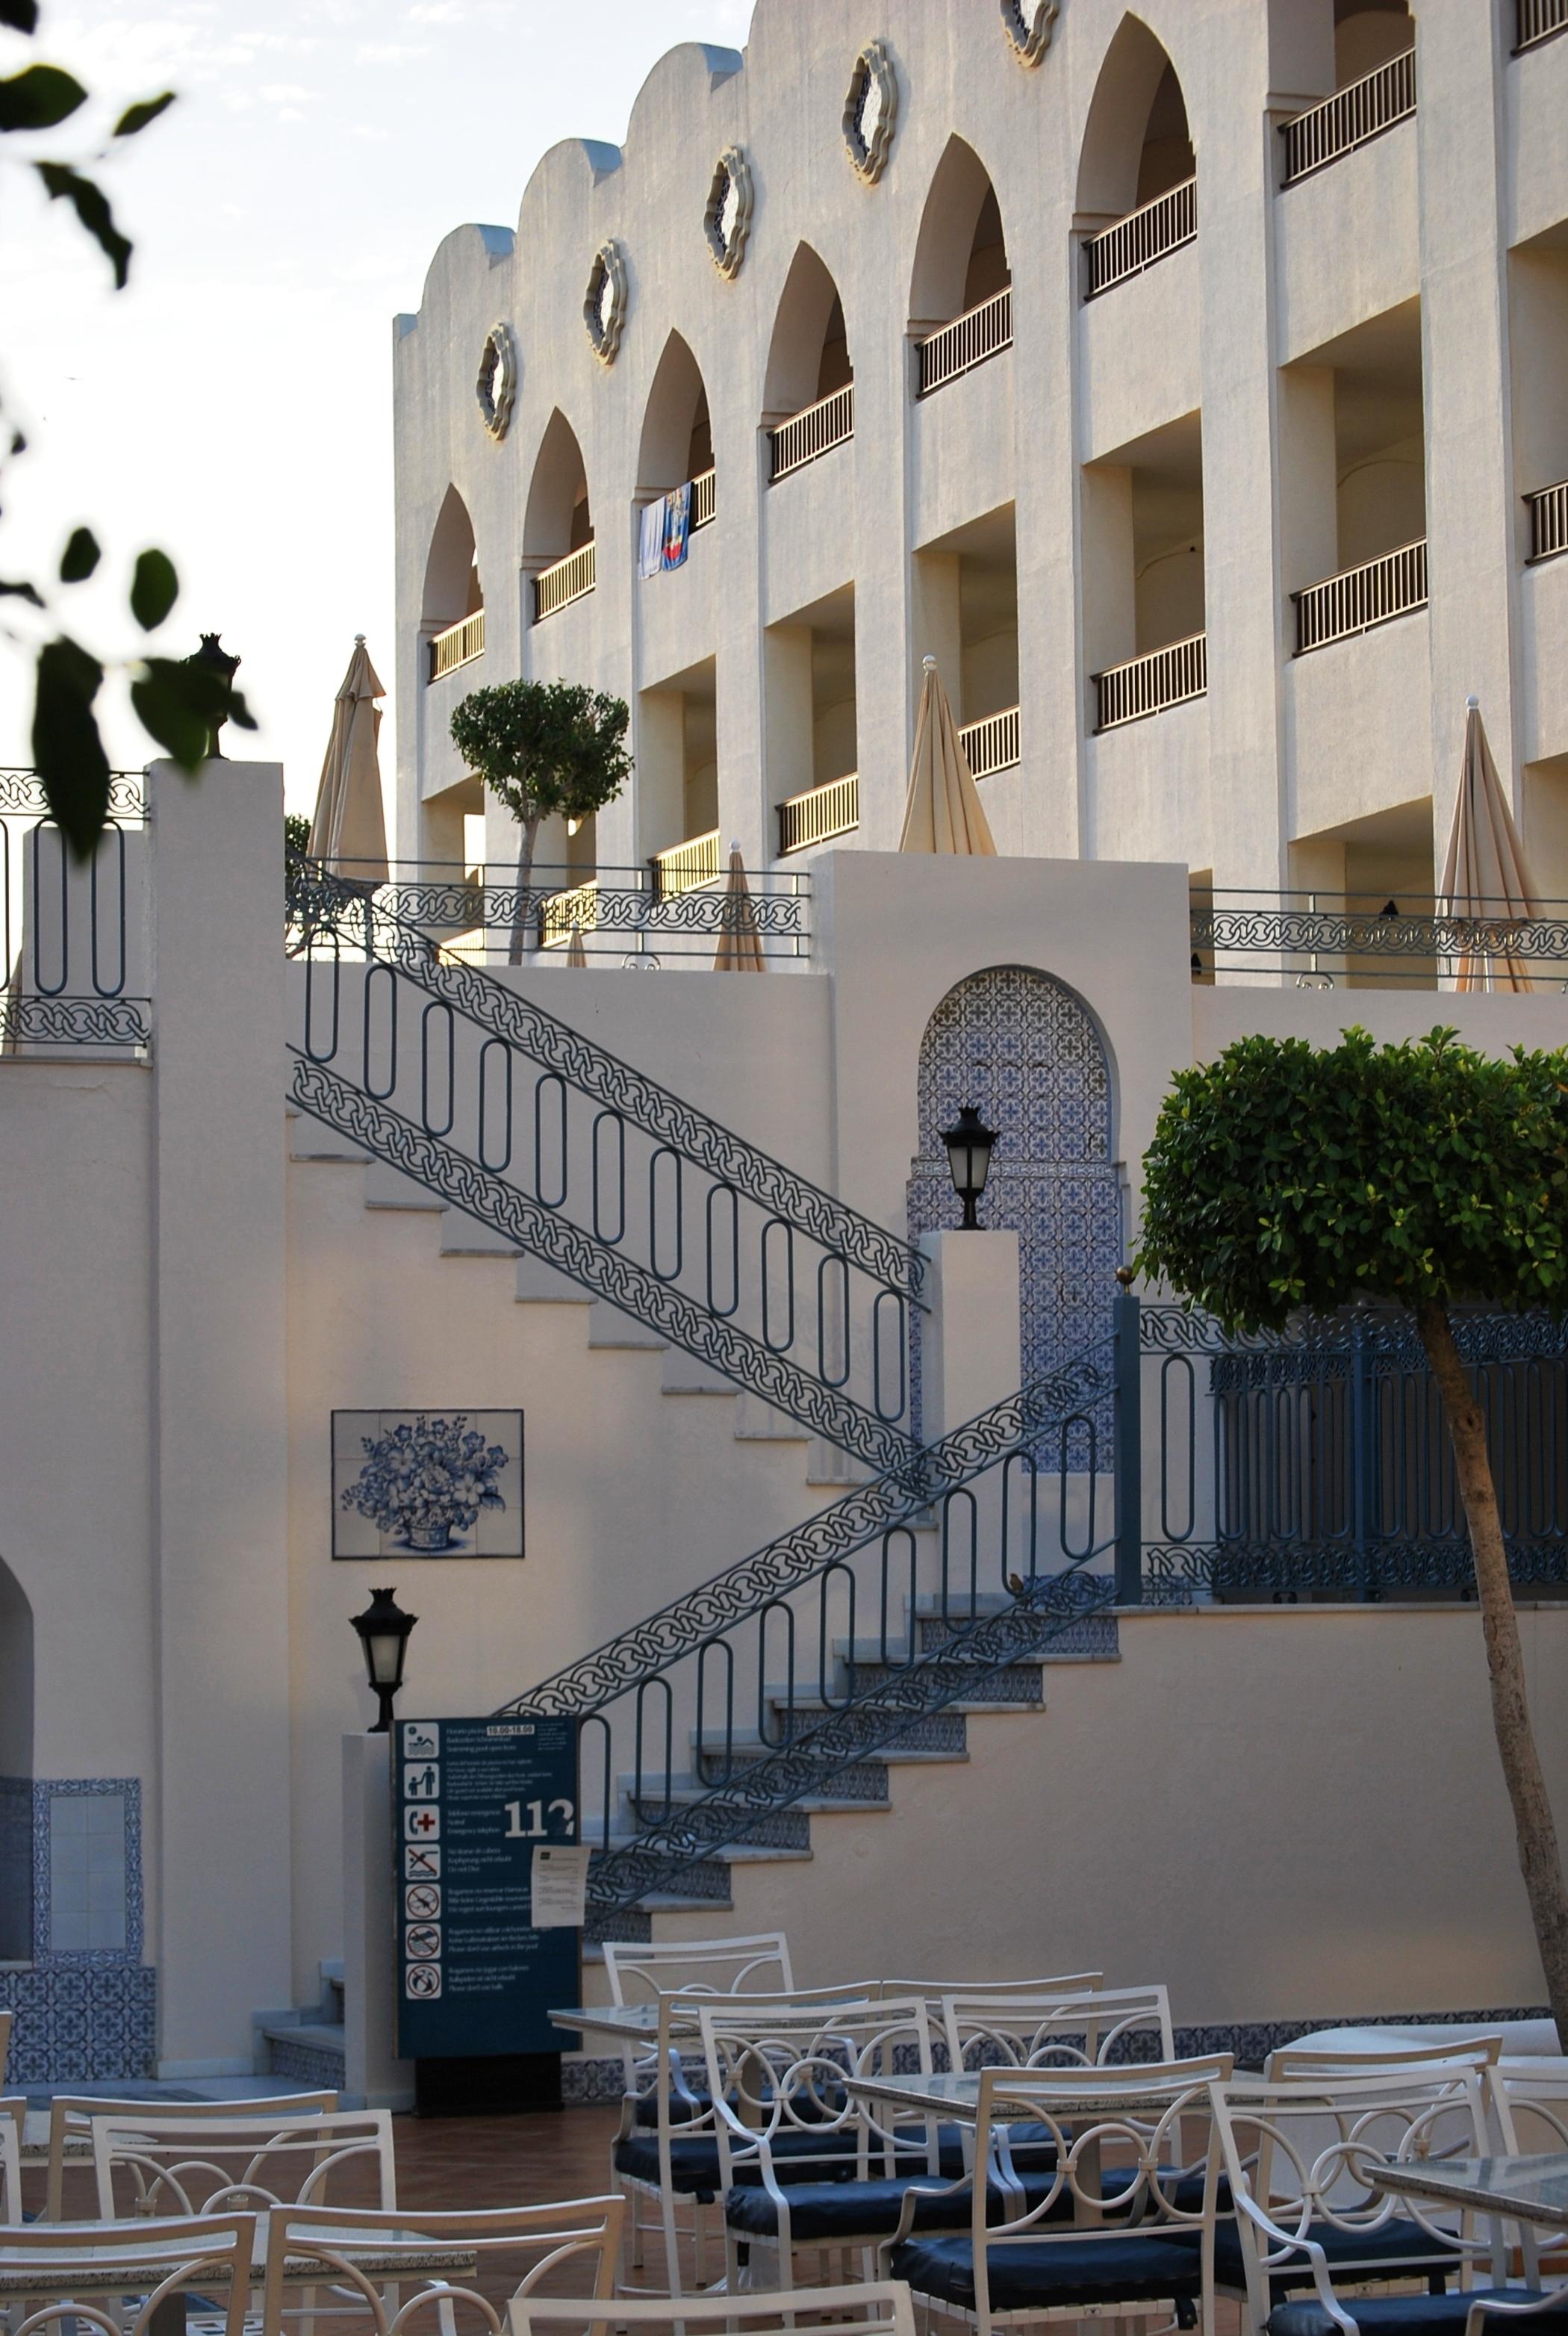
(677, 525)
(650, 539)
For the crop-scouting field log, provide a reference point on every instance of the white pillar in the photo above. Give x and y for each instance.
(971, 1355)
(220, 1481)
(373, 2074)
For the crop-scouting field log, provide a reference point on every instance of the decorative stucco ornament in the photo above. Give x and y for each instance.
(1029, 28)
(604, 302)
(496, 387)
(726, 215)
(871, 112)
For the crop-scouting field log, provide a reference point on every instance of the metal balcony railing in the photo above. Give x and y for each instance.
(820, 812)
(703, 504)
(815, 430)
(685, 866)
(1390, 586)
(991, 744)
(568, 579)
(563, 911)
(978, 334)
(1144, 236)
(1548, 508)
(460, 644)
(1537, 20)
(1149, 684)
(1363, 109)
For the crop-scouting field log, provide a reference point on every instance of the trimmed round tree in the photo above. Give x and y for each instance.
(543, 747)
(1284, 1175)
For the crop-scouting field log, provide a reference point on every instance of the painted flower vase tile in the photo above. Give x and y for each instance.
(426, 1483)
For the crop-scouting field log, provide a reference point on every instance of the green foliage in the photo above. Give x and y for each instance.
(296, 837)
(545, 746)
(180, 703)
(1286, 1175)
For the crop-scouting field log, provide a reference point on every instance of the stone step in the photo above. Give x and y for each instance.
(609, 1327)
(539, 1284)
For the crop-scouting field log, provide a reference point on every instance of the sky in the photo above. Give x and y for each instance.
(234, 404)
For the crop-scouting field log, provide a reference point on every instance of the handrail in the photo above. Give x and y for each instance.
(981, 332)
(684, 867)
(460, 644)
(818, 813)
(1537, 20)
(1149, 684)
(504, 1012)
(1548, 509)
(1362, 110)
(1392, 585)
(21, 789)
(815, 430)
(1384, 929)
(704, 500)
(565, 580)
(991, 744)
(1149, 233)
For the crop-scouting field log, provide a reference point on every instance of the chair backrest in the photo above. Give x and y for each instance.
(1289, 2061)
(1527, 2105)
(682, 2105)
(1096, 2027)
(195, 2166)
(528, 2245)
(71, 2117)
(1297, 2153)
(935, 1990)
(13, 2112)
(641, 1973)
(5, 2020)
(86, 2274)
(781, 2070)
(872, 2308)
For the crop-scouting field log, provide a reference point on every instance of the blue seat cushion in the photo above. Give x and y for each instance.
(685, 2109)
(1045, 2272)
(1403, 2315)
(842, 2210)
(1389, 2246)
(694, 2166)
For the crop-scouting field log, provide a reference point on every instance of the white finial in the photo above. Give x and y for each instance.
(359, 640)
(1472, 704)
(929, 663)
(733, 844)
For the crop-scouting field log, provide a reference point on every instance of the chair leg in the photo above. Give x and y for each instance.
(671, 2242)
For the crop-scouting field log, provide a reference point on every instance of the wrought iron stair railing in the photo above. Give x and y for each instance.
(469, 1086)
(761, 1687)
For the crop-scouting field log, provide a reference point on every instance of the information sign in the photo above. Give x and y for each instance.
(474, 1800)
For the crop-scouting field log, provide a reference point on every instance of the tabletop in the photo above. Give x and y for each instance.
(382, 2254)
(955, 2093)
(1529, 2189)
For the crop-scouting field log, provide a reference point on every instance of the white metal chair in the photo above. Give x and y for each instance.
(806, 2163)
(6, 2019)
(1037, 2027)
(1295, 2062)
(118, 2279)
(1296, 2156)
(531, 2245)
(12, 2114)
(666, 2149)
(640, 1971)
(875, 2308)
(71, 2117)
(203, 2165)
(1123, 2225)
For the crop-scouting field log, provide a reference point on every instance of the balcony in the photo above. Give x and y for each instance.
(1537, 20)
(1150, 683)
(568, 579)
(978, 334)
(702, 501)
(1149, 233)
(563, 911)
(991, 744)
(1379, 590)
(816, 430)
(684, 867)
(1364, 109)
(460, 644)
(818, 814)
(1548, 509)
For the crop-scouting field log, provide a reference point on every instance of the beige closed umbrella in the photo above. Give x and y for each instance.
(349, 827)
(739, 947)
(1484, 875)
(942, 812)
(575, 953)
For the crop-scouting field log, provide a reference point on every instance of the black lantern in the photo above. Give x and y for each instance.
(383, 1630)
(214, 659)
(968, 1162)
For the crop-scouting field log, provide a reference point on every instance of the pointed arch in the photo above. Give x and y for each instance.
(676, 442)
(1137, 143)
(452, 589)
(960, 253)
(808, 357)
(15, 1769)
(558, 519)
(1367, 33)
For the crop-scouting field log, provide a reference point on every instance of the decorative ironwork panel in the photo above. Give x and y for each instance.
(23, 791)
(29, 1020)
(1369, 933)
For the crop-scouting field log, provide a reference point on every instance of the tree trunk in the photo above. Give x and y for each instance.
(1540, 1859)
(521, 919)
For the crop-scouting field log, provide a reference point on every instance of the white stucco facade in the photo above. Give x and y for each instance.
(1327, 371)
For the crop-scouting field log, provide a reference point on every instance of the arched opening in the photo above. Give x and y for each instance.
(1367, 33)
(15, 1770)
(557, 524)
(452, 587)
(1137, 147)
(808, 361)
(676, 442)
(961, 254)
